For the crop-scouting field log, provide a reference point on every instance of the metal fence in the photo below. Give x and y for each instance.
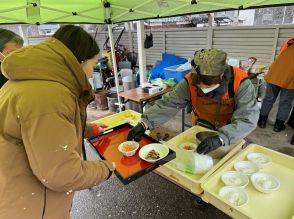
(263, 42)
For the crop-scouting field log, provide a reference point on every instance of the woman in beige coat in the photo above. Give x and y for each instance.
(42, 126)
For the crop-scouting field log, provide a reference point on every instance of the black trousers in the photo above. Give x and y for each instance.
(285, 104)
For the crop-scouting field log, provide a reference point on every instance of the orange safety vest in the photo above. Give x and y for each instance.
(208, 109)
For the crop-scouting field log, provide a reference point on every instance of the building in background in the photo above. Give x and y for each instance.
(262, 16)
(274, 16)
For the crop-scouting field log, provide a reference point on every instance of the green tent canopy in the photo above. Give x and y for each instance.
(115, 11)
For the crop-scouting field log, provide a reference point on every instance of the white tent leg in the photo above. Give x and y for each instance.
(209, 30)
(20, 30)
(130, 37)
(114, 63)
(141, 51)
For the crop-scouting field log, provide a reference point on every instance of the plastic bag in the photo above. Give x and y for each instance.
(148, 41)
(191, 162)
(164, 83)
(185, 67)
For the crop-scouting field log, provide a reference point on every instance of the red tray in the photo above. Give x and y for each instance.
(131, 168)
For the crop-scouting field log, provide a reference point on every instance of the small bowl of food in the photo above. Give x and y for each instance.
(234, 195)
(153, 152)
(188, 146)
(128, 148)
(246, 167)
(259, 158)
(234, 178)
(265, 182)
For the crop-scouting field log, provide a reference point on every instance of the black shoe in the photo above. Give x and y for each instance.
(291, 123)
(262, 121)
(279, 125)
(292, 140)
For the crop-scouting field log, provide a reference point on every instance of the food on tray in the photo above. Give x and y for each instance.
(188, 148)
(128, 147)
(152, 155)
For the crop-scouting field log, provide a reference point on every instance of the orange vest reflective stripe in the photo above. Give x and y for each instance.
(206, 108)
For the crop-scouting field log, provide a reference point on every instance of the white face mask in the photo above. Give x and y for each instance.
(209, 89)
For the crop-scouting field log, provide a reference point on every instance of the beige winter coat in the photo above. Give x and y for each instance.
(42, 117)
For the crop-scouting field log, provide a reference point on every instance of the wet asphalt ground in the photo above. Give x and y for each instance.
(151, 196)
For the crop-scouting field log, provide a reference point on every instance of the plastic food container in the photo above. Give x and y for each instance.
(128, 148)
(259, 159)
(161, 149)
(246, 167)
(234, 178)
(234, 195)
(191, 162)
(265, 182)
(188, 146)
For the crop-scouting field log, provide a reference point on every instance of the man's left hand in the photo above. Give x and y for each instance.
(209, 144)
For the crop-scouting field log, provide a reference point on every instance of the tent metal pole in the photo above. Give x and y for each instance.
(130, 37)
(15, 9)
(141, 51)
(209, 30)
(21, 33)
(110, 33)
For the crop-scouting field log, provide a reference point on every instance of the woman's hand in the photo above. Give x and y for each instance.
(101, 128)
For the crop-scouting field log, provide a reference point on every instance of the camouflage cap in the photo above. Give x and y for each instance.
(210, 62)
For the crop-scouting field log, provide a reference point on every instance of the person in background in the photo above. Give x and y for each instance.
(43, 124)
(9, 41)
(219, 94)
(280, 80)
(291, 124)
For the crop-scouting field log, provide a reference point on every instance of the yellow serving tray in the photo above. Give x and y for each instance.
(277, 205)
(117, 119)
(191, 182)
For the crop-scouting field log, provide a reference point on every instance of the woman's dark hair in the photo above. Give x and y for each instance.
(7, 36)
(78, 41)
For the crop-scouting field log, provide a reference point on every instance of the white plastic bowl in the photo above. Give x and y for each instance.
(163, 151)
(234, 195)
(246, 167)
(259, 158)
(234, 178)
(128, 153)
(265, 182)
(189, 144)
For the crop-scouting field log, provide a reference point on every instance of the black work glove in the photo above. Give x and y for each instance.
(136, 132)
(209, 144)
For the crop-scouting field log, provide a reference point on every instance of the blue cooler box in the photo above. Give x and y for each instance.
(171, 72)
